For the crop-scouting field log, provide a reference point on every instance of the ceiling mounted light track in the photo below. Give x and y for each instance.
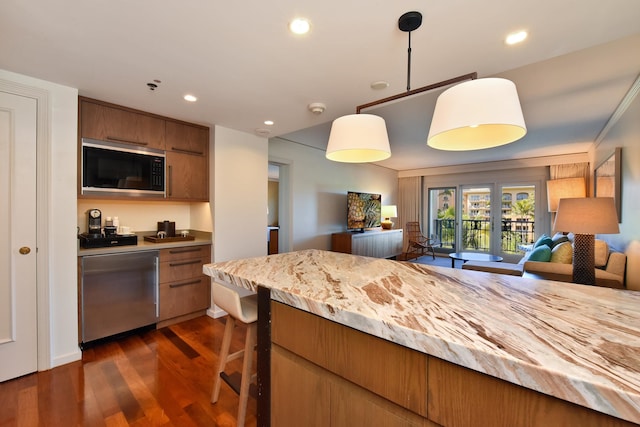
(475, 114)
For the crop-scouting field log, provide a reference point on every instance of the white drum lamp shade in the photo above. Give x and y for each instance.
(358, 138)
(477, 114)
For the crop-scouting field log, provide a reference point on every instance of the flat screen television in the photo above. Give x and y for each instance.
(363, 210)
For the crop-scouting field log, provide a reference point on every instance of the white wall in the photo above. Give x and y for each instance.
(318, 191)
(60, 216)
(240, 195)
(625, 133)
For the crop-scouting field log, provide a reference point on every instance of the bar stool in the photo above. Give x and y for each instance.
(244, 310)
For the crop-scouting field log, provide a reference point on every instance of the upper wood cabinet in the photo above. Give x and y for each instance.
(108, 122)
(187, 177)
(186, 145)
(187, 161)
(186, 138)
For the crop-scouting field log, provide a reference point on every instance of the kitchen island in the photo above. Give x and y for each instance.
(471, 348)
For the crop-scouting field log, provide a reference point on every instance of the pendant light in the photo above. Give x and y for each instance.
(477, 114)
(363, 138)
(358, 138)
(473, 114)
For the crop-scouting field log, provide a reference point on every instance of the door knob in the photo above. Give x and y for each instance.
(25, 250)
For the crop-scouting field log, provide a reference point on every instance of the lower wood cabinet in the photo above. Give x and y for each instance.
(184, 290)
(326, 374)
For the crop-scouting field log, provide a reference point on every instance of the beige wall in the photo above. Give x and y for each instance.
(240, 195)
(625, 133)
(318, 192)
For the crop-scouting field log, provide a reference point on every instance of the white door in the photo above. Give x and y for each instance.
(18, 315)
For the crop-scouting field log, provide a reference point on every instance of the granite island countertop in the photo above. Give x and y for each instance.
(577, 343)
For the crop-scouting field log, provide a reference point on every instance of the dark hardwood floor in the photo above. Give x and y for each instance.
(156, 378)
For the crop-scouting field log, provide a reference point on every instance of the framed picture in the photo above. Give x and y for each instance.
(608, 179)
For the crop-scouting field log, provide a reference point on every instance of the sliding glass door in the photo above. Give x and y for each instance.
(476, 220)
(517, 217)
(493, 218)
(442, 218)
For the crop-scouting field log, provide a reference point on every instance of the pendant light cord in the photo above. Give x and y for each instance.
(409, 64)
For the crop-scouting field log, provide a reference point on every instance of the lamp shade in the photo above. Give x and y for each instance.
(587, 215)
(389, 211)
(358, 138)
(564, 188)
(477, 114)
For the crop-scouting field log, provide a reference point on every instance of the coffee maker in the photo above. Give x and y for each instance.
(94, 222)
(95, 238)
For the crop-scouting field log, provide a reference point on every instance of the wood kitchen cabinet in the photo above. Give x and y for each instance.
(186, 145)
(107, 122)
(326, 374)
(184, 289)
(187, 161)
(323, 374)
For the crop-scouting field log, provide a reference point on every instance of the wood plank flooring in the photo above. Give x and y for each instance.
(156, 378)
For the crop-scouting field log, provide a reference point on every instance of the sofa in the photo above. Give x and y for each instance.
(551, 259)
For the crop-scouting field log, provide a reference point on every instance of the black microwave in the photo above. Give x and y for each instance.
(113, 169)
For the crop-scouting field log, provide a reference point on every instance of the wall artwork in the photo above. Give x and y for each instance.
(608, 180)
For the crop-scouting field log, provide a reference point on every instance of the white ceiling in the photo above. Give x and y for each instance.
(238, 58)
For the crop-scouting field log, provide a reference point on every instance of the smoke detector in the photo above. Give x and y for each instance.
(316, 107)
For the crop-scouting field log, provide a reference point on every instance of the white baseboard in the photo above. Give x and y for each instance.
(216, 312)
(66, 358)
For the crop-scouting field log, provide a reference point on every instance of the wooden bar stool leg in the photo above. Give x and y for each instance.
(224, 354)
(247, 364)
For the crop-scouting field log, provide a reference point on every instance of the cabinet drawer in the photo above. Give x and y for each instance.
(186, 252)
(181, 269)
(184, 296)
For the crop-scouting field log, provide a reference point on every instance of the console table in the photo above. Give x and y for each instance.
(377, 244)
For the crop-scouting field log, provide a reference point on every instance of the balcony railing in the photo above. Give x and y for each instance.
(476, 234)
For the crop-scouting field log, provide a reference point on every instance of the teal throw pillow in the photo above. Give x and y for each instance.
(541, 253)
(543, 240)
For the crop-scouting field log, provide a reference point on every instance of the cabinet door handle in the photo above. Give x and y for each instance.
(170, 189)
(178, 264)
(179, 285)
(182, 150)
(183, 251)
(115, 138)
(156, 287)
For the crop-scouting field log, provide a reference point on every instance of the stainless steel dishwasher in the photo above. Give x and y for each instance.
(119, 293)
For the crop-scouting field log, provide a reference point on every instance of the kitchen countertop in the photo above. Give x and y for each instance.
(577, 343)
(201, 238)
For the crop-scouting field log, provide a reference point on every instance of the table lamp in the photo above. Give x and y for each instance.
(564, 188)
(585, 217)
(388, 212)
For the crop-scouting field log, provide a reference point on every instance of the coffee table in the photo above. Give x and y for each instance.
(472, 256)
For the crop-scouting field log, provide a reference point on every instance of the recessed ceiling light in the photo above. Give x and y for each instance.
(299, 26)
(190, 98)
(268, 122)
(515, 38)
(381, 84)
